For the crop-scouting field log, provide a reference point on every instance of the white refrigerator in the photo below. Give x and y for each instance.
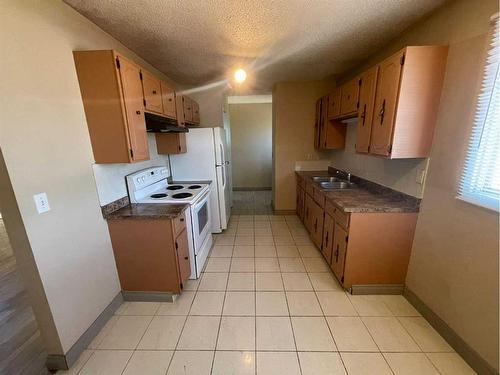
(206, 159)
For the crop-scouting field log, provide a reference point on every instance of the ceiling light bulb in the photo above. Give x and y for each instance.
(240, 75)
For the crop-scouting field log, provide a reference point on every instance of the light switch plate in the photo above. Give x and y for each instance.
(41, 202)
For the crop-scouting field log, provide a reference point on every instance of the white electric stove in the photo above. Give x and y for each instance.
(151, 186)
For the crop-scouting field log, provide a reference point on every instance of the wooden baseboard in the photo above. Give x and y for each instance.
(64, 362)
(478, 363)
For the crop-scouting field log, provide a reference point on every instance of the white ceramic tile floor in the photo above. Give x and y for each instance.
(267, 303)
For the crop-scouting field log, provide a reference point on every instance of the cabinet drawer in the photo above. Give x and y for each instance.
(179, 224)
(340, 217)
(318, 196)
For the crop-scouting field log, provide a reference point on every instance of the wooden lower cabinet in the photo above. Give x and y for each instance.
(300, 202)
(151, 254)
(328, 231)
(339, 251)
(361, 248)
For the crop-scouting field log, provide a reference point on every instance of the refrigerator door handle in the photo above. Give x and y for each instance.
(223, 177)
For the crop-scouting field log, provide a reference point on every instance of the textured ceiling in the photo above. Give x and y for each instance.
(196, 42)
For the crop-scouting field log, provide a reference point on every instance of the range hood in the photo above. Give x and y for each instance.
(160, 124)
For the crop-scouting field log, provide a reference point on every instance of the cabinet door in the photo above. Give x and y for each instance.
(328, 231)
(188, 109)
(317, 120)
(365, 113)
(171, 143)
(134, 109)
(317, 224)
(334, 103)
(308, 212)
(385, 104)
(196, 112)
(339, 251)
(349, 97)
(152, 92)
(323, 120)
(181, 246)
(168, 100)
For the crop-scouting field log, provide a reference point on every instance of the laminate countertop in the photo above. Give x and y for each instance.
(366, 196)
(148, 211)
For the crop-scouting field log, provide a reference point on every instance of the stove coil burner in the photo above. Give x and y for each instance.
(174, 187)
(159, 195)
(182, 195)
(194, 187)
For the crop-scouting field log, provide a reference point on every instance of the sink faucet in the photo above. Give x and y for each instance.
(343, 174)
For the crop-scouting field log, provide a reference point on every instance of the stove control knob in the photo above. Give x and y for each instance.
(138, 179)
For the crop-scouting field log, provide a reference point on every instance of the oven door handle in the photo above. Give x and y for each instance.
(202, 200)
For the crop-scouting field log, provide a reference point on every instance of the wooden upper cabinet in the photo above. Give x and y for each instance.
(152, 92)
(349, 97)
(407, 99)
(196, 112)
(334, 103)
(188, 108)
(365, 113)
(168, 100)
(112, 97)
(329, 134)
(385, 104)
(171, 143)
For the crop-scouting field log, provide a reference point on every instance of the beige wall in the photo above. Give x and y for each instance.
(293, 135)
(251, 140)
(454, 263)
(400, 174)
(211, 101)
(46, 147)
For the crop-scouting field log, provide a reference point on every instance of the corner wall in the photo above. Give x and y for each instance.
(293, 135)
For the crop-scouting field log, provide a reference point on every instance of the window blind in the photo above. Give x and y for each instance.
(480, 180)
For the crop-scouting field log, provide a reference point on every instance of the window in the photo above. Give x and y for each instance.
(480, 181)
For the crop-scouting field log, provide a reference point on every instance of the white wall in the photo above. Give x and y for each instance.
(400, 174)
(110, 178)
(46, 147)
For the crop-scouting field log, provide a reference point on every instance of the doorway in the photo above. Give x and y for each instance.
(251, 144)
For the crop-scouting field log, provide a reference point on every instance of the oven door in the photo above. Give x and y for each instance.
(200, 218)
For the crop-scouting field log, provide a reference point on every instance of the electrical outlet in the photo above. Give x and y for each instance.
(41, 202)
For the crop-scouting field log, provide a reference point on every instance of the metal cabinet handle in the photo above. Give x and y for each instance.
(316, 225)
(382, 113)
(186, 258)
(138, 112)
(326, 240)
(337, 254)
(363, 115)
(154, 92)
(182, 219)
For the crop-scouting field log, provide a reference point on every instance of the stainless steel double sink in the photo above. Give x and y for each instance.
(333, 183)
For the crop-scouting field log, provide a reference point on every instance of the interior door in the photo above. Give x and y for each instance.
(134, 109)
(152, 92)
(365, 113)
(339, 251)
(181, 247)
(328, 233)
(385, 104)
(168, 100)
